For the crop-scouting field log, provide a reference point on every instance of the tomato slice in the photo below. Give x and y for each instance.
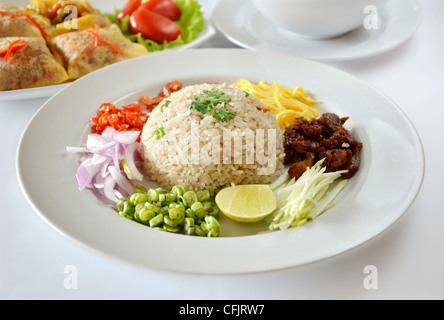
(153, 26)
(128, 8)
(166, 8)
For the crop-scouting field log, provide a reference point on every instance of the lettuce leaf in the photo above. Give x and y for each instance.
(191, 24)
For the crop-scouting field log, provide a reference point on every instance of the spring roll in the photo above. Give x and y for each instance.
(80, 55)
(29, 67)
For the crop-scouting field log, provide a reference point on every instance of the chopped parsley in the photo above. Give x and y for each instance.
(223, 114)
(208, 102)
(159, 133)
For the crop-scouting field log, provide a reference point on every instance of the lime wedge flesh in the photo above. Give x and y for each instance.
(246, 203)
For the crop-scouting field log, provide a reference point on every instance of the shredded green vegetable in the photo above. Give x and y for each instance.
(191, 24)
(306, 198)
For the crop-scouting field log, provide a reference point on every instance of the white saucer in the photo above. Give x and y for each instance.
(243, 25)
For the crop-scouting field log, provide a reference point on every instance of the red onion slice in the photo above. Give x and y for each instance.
(100, 166)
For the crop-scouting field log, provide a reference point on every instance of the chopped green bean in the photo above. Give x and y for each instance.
(125, 215)
(196, 206)
(146, 215)
(153, 195)
(177, 213)
(171, 229)
(179, 190)
(198, 210)
(198, 231)
(189, 198)
(178, 210)
(208, 205)
(137, 198)
(139, 207)
(124, 206)
(212, 233)
(140, 189)
(212, 223)
(156, 221)
(190, 213)
(136, 217)
(170, 222)
(203, 195)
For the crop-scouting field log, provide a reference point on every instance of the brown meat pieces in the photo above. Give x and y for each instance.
(307, 142)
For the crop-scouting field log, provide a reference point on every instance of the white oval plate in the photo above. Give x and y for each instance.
(243, 25)
(106, 6)
(385, 186)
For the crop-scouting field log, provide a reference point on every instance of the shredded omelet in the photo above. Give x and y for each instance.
(286, 103)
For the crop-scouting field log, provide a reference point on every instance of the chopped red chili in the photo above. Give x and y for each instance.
(13, 47)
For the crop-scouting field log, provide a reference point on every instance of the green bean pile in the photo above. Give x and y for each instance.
(178, 210)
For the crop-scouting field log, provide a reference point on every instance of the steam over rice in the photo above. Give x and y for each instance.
(201, 152)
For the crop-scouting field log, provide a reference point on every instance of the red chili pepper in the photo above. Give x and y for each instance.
(35, 24)
(30, 19)
(13, 47)
(130, 117)
(99, 38)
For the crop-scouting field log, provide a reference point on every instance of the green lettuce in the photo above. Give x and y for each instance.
(191, 24)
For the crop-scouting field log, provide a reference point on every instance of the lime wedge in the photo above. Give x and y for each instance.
(246, 203)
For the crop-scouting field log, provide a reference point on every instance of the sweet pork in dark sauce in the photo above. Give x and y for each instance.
(308, 141)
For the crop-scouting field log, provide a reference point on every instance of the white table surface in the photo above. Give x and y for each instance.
(409, 256)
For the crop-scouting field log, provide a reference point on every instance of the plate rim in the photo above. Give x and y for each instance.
(24, 187)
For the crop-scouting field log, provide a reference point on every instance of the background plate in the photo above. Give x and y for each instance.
(243, 25)
(106, 6)
(382, 190)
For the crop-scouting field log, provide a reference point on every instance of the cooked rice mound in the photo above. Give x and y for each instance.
(182, 146)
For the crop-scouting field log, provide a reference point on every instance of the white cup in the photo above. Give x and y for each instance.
(318, 18)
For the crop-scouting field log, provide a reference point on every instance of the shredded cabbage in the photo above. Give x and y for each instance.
(306, 198)
(191, 24)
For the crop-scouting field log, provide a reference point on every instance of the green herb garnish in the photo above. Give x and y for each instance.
(209, 101)
(165, 104)
(223, 114)
(159, 133)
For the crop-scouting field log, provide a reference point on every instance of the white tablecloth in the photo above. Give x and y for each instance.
(408, 257)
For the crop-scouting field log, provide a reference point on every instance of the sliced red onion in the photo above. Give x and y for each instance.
(100, 166)
(116, 158)
(83, 176)
(96, 143)
(108, 189)
(126, 137)
(130, 152)
(76, 149)
(108, 133)
(121, 179)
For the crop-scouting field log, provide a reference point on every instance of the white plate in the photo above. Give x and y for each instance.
(106, 6)
(382, 190)
(243, 25)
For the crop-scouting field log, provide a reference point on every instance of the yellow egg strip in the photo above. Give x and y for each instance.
(286, 103)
